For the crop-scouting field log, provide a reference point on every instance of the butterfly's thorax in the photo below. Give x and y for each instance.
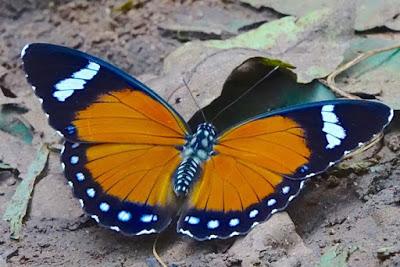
(198, 149)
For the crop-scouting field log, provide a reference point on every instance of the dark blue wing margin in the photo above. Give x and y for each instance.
(196, 223)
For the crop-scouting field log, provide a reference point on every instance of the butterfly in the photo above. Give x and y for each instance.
(135, 164)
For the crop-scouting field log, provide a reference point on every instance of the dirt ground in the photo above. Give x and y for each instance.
(353, 209)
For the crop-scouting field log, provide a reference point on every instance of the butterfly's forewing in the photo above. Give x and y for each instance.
(260, 165)
(121, 137)
(89, 100)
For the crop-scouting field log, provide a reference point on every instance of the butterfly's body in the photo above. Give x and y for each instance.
(130, 157)
(197, 149)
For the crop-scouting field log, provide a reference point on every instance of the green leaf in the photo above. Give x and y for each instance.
(11, 122)
(17, 207)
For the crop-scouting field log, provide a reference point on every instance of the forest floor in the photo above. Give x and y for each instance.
(349, 215)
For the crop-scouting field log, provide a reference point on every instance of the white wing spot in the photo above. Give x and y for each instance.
(81, 202)
(80, 177)
(91, 192)
(332, 141)
(146, 218)
(93, 66)
(334, 132)
(70, 184)
(74, 159)
(75, 145)
(124, 216)
(271, 202)
(85, 74)
(144, 231)
(24, 50)
(253, 213)
(193, 220)
(234, 222)
(329, 117)
(391, 115)
(328, 108)
(212, 224)
(62, 95)
(115, 228)
(66, 87)
(96, 218)
(70, 84)
(104, 206)
(285, 189)
(334, 129)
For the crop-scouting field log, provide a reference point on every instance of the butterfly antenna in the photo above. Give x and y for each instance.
(244, 93)
(194, 99)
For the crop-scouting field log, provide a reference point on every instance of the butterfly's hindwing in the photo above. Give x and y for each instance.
(120, 187)
(204, 224)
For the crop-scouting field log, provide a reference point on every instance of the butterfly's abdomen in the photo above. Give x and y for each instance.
(198, 148)
(186, 173)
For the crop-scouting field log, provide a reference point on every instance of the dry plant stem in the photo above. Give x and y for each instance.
(366, 146)
(331, 78)
(158, 258)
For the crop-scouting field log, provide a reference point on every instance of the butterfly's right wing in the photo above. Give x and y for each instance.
(260, 165)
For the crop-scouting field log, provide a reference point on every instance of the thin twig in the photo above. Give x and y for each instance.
(158, 258)
(331, 78)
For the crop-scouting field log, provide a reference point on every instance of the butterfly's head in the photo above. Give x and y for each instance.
(207, 127)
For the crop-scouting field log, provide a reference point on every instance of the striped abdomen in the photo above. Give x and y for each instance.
(186, 173)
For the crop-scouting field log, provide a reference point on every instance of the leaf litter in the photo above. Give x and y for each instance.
(368, 14)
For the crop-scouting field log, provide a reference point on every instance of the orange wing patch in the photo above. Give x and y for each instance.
(129, 116)
(229, 184)
(135, 173)
(274, 144)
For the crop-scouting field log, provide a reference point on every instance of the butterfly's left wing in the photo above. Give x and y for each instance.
(121, 138)
(261, 164)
